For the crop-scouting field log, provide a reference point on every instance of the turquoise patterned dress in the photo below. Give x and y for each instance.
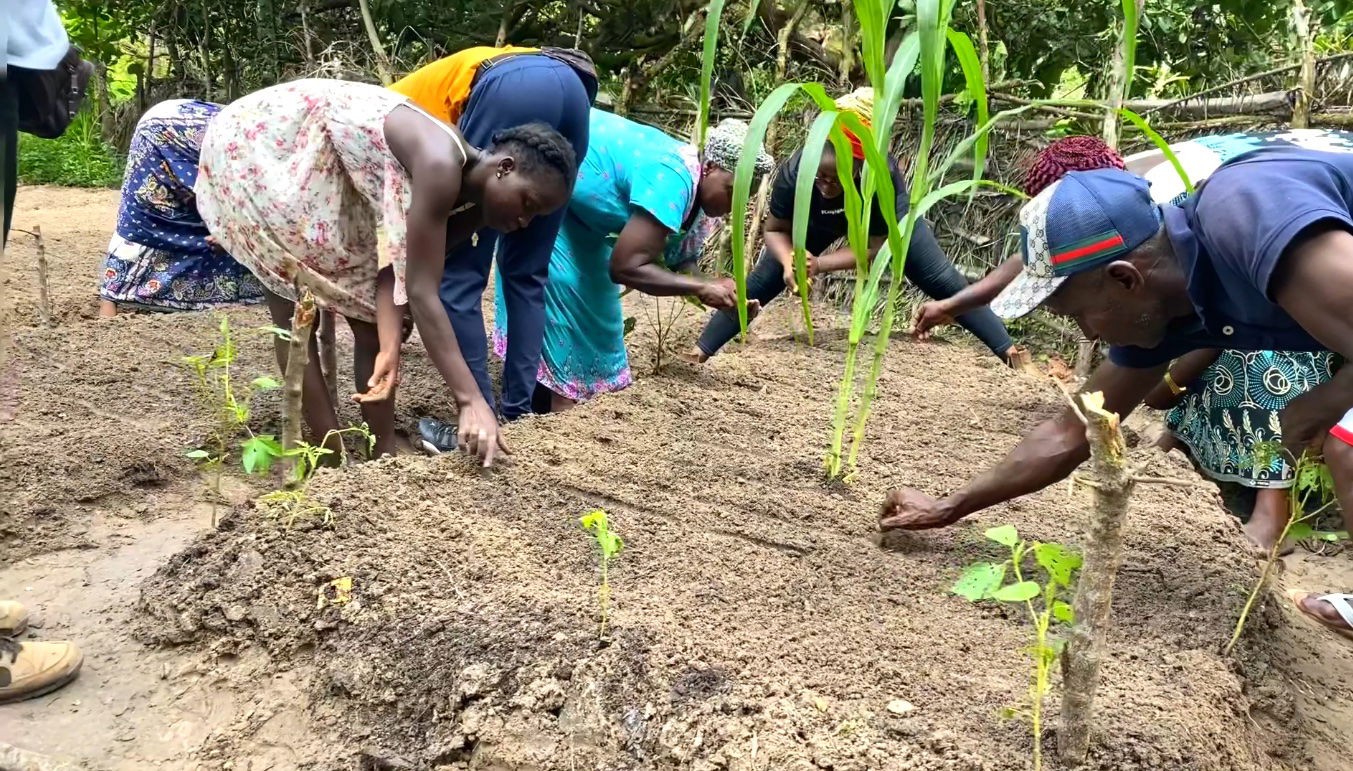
(1234, 404)
(628, 167)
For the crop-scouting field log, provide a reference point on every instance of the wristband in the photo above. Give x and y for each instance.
(1174, 387)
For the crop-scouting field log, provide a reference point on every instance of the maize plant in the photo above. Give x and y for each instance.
(927, 44)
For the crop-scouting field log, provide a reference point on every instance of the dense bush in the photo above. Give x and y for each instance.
(80, 157)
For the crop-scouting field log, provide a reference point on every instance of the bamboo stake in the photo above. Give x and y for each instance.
(298, 358)
(44, 297)
(1111, 482)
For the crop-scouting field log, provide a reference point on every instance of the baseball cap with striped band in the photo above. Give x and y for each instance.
(1082, 221)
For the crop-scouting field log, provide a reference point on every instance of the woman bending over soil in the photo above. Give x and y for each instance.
(926, 265)
(324, 185)
(662, 198)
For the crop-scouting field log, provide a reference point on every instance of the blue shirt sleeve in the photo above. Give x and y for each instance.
(1250, 212)
(664, 189)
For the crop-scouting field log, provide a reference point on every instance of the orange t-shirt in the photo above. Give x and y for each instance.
(443, 87)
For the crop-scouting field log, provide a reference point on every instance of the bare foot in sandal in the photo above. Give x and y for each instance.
(1331, 611)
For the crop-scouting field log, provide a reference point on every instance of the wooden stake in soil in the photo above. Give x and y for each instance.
(1112, 483)
(328, 352)
(298, 358)
(44, 299)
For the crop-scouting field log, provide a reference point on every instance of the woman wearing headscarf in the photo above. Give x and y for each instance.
(926, 265)
(643, 201)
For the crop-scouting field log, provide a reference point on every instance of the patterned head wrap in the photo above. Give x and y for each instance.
(861, 102)
(1079, 153)
(723, 147)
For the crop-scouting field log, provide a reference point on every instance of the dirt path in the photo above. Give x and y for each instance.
(759, 622)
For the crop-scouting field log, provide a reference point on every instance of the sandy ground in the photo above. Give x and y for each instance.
(758, 621)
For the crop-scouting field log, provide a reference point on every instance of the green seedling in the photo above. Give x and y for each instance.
(610, 544)
(294, 502)
(227, 405)
(1043, 603)
(1312, 494)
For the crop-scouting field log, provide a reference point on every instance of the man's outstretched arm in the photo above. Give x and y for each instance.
(1047, 455)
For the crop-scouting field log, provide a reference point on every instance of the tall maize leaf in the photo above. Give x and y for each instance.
(712, 17)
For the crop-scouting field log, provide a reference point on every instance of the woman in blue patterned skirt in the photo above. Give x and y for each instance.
(161, 257)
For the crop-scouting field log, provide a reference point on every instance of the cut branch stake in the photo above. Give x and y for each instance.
(1085, 649)
(328, 352)
(298, 358)
(44, 298)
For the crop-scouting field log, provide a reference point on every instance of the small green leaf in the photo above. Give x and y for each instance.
(979, 581)
(1063, 612)
(1332, 536)
(266, 383)
(630, 322)
(1020, 592)
(197, 454)
(1300, 531)
(258, 453)
(1006, 535)
(278, 332)
(1058, 560)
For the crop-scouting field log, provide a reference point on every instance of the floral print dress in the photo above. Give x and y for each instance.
(298, 183)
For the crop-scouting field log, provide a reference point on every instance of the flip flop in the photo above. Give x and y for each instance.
(1341, 603)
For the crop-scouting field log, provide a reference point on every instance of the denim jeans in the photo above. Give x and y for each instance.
(926, 267)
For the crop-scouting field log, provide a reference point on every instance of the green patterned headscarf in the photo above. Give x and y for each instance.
(723, 147)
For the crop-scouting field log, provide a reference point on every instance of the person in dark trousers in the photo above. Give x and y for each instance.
(484, 91)
(1260, 257)
(35, 45)
(926, 266)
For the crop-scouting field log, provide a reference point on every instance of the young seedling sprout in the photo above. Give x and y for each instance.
(294, 501)
(1312, 494)
(1042, 603)
(610, 544)
(227, 406)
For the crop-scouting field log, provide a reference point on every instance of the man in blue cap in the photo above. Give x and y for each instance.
(1260, 258)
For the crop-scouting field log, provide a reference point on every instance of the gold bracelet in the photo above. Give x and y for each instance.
(1174, 387)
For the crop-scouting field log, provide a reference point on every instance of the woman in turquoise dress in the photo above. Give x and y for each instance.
(643, 201)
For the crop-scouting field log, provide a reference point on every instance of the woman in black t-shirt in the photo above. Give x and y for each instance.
(926, 265)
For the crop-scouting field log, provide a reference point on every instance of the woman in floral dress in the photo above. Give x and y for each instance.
(324, 185)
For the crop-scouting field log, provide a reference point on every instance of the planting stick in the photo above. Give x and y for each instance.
(1112, 482)
(328, 352)
(44, 301)
(298, 358)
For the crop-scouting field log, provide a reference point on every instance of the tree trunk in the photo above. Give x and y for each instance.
(298, 358)
(847, 41)
(505, 24)
(1085, 647)
(1301, 23)
(309, 47)
(382, 60)
(983, 47)
(1119, 83)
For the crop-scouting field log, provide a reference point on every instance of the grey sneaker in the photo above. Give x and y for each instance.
(436, 437)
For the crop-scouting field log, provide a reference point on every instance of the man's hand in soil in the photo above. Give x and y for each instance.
(479, 433)
(908, 509)
(935, 313)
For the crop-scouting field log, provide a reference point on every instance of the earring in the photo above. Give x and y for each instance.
(500, 174)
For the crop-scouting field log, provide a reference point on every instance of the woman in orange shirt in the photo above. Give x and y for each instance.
(483, 91)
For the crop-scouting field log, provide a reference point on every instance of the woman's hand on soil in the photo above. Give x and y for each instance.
(480, 433)
(384, 378)
(930, 315)
(719, 293)
(908, 509)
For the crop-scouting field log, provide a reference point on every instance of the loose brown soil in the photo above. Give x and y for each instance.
(758, 621)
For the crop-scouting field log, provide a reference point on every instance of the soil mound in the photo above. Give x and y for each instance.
(757, 620)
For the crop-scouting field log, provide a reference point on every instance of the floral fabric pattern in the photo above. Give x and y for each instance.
(298, 183)
(158, 257)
